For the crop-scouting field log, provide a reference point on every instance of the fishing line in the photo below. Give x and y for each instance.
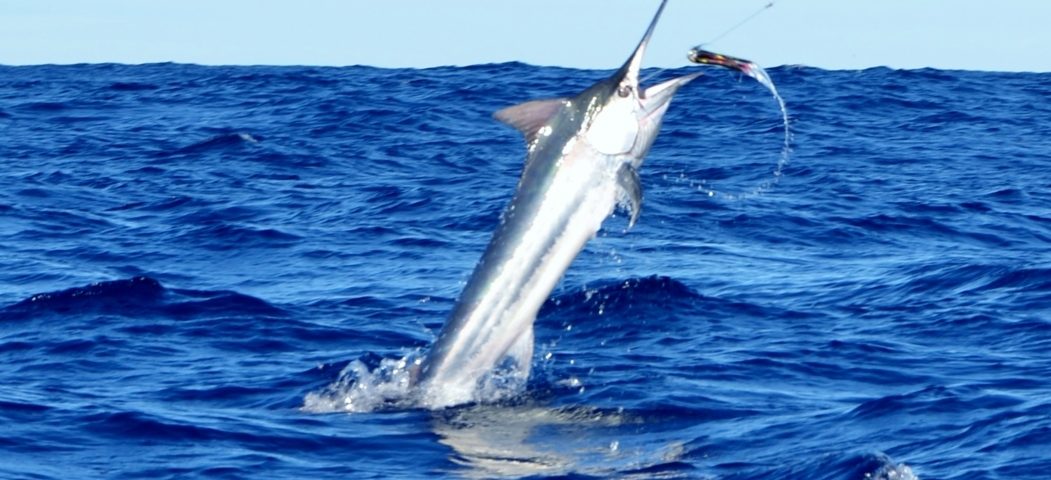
(742, 22)
(718, 37)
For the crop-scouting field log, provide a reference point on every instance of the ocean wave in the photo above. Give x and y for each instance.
(137, 296)
(935, 400)
(272, 233)
(132, 86)
(218, 143)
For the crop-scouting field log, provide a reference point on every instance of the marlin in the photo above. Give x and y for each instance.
(583, 157)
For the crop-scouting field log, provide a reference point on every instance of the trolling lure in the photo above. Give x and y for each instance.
(747, 67)
(706, 57)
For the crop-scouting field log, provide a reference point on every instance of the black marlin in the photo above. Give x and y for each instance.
(583, 156)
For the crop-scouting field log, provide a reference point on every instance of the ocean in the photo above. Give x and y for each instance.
(190, 255)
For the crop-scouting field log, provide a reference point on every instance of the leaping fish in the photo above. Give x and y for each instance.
(582, 160)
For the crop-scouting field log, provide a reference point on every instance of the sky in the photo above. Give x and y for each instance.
(1001, 35)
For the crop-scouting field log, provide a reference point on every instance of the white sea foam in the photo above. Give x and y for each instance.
(389, 386)
(359, 389)
(892, 472)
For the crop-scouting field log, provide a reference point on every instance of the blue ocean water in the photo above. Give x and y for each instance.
(187, 253)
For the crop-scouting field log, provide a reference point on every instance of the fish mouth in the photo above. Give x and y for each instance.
(705, 57)
(656, 98)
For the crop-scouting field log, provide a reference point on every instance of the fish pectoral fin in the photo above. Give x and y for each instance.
(530, 117)
(630, 192)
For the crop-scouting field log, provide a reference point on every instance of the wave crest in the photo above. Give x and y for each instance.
(136, 296)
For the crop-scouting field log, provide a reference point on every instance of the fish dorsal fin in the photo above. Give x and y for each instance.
(530, 117)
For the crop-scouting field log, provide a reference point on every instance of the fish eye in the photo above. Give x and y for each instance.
(624, 91)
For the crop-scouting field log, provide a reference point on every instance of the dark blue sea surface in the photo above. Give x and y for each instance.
(188, 253)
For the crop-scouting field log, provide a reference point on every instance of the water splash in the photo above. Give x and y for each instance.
(751, 69)
(390, 385)
(892, 471)
(359, 389)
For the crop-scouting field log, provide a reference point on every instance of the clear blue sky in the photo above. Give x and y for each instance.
(1011, 35)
